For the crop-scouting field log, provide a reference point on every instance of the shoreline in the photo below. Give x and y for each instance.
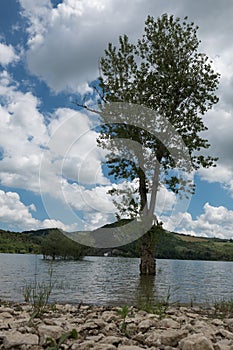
(110, 328)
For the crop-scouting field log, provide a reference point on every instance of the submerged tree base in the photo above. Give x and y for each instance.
(148, 262)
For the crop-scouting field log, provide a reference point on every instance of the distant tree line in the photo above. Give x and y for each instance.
(53, 244)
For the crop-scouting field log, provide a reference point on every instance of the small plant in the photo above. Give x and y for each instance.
(123, 312)
(38, 293)
(56, 345)
(224, 307)
(150, 304)
(192, 301)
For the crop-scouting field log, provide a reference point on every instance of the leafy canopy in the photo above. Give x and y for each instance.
(164, 72)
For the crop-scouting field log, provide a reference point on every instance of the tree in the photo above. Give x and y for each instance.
(165, 73)
(57, 245)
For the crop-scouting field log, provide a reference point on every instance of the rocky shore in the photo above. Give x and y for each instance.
(84, 327)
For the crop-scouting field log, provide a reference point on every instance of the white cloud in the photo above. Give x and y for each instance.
(220, 125)
(13, 211)
(7, 54)
(67, 145)
(84, 28)
(64, 46)
(17, 216)
(214, 222)
(22, 132)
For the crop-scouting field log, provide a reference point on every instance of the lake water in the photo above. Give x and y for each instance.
(116, 281)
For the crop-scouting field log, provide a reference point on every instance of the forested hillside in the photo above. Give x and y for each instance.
(49, 242)
(52, 243)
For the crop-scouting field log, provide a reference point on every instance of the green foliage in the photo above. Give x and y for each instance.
(123, 312)
(57, 245)
(165, 72)
(169, 245)
(15, 242)
(52, 344)
(50, 242)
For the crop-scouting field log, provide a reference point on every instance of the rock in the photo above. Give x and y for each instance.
(196, 342)
(192, 315)
(169, 323)
(225, 334)
(99, 328)
(146, 324)
(229, 323)
(14, 339)
(152, 339)
(5, 314)
(46, 331)
(86, 345)
(217, 322)
(104, 347)
(129, 347)
(4, 325)
(111, 340)
(96, 338)
(109, 328)
(224, 344)
(132, 328)
(109, 316)
(172, 337)
(90, 325)
(100, 323)
(6, 309)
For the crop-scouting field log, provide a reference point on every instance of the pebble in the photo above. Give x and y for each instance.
(101, 328)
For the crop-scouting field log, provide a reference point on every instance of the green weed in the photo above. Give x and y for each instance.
(223, 307)
(149, 303)
(52, 344)
(38, 294)
(123, 312)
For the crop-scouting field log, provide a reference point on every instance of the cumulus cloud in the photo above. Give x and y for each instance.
(214, 222)
(16, 215)
(7, 54)
(220, 125)
(56, 158)
(64, 45)
(84, 28)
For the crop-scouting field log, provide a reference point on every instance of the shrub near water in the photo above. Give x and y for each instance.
(57, 245)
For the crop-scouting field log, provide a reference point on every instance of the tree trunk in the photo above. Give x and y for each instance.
(148, 263)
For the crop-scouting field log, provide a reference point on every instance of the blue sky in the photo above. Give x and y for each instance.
(51, 172)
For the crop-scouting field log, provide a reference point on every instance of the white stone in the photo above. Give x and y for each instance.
(172, 337)
(14, 339)
(5, 314)
(86, 345)
(104, 347)
(46, 331)
(146, 324)
(111, 340)
(169, 323)
(196, 342)
(129, 347)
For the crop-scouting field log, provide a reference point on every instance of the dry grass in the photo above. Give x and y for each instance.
(192, 238)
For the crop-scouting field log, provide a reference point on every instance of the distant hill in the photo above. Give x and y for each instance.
(168, 245)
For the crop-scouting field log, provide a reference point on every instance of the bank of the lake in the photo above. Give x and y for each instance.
(84, 327)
